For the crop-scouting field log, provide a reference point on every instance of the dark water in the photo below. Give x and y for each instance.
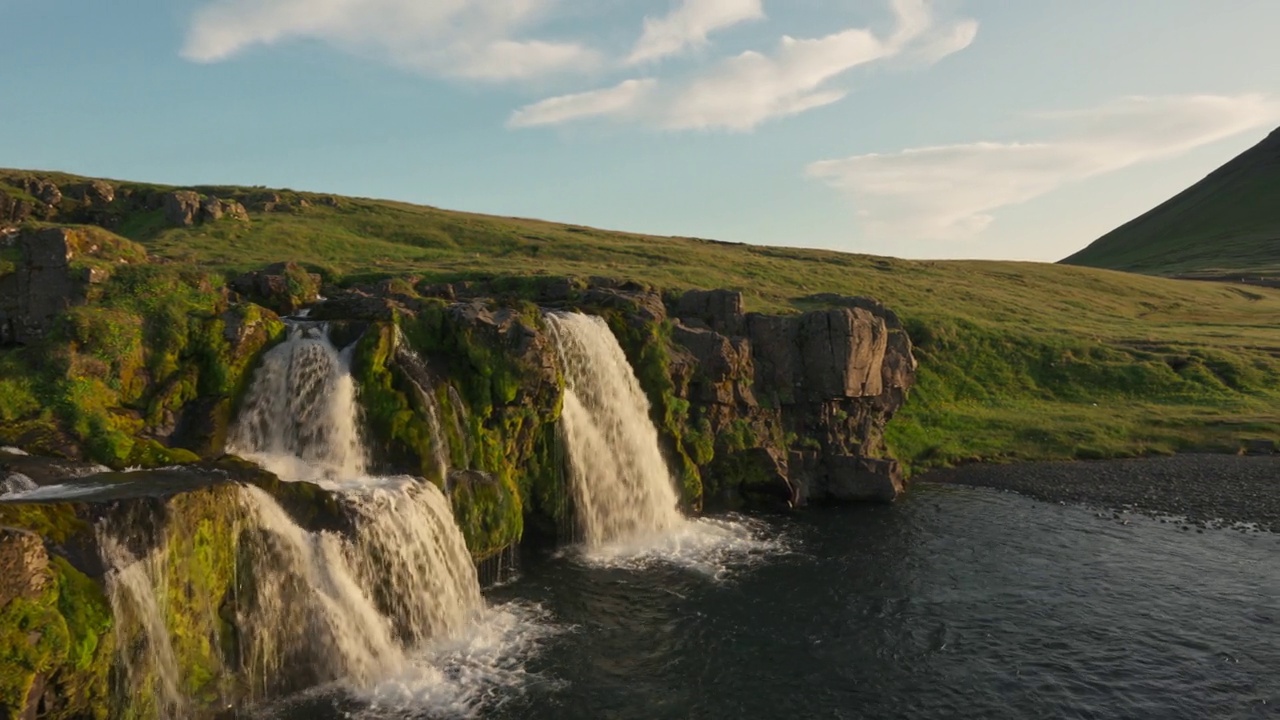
(957, 603)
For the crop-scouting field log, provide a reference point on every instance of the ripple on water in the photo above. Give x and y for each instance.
(955, 603)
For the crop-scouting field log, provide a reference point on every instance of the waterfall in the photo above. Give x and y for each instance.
(420, 377)
(135, 589)
(390, 610)
(300, 419)
(621, 484)
(310, 610)
(624, 495)
(407, 542)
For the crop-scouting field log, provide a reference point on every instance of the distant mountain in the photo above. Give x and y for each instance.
(1225, 226)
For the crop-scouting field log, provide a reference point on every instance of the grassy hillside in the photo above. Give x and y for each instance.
(1227, 225)
(1018, 360)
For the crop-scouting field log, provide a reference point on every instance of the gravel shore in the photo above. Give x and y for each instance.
(1208, 490)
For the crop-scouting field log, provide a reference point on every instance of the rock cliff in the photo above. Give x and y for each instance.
(108, 358)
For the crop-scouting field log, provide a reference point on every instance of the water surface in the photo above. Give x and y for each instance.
(956, 603)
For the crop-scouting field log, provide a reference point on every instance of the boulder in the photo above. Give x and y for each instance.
(234, 210)
(13, 210)
(181, 208)
(211, 209)
(282, 287)
(355, 305)
(94, 193)
(46, 191)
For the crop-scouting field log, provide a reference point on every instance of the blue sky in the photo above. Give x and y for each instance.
(917, 128)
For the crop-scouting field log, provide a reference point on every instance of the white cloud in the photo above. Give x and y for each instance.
(596, 102)
(464, 38)
(689, 25)
(949, 192)
(741, 92)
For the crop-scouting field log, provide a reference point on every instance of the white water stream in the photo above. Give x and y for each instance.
(390, 612)
(624, 494)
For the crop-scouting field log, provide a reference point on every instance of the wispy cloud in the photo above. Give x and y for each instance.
(949, 192)
(477, 39)
(597, 102)
(689, 25)
(741, 92)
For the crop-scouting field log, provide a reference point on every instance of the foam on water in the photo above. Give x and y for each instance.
(466, 675)
(12, 450)
(709, 546)
(15, 484)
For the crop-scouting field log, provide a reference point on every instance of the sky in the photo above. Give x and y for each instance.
(914, 128)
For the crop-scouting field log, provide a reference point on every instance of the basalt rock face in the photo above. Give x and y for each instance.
(458, 383)
(753, 409)
(46, 271)
(41, 285)
(808, 395)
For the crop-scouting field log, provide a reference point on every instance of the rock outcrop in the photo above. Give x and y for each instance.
(283, 287)
(754, 408)
(52, 198)
(825, 382)
(184, 208)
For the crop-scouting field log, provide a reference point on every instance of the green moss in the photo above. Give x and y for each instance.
(56, 522)
(736, 477)
(83, 681)
(152, 342)
(10, 257)
(739, 435)
(489, 514)
(33, 640)
(201, 574)
(392, 411)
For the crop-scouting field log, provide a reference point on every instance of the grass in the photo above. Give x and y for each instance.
(1018, 360)
(1227, 225)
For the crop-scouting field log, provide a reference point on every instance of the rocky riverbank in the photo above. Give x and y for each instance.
(1207, 490)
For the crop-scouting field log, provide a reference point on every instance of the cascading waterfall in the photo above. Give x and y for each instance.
(135, 588)
(313, 611)
(622, 487)
(363, 608)
(421, 380)
(300, 417)
(624, 494)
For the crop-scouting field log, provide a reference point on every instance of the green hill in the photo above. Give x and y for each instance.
(1225, 226)
(1018, 360)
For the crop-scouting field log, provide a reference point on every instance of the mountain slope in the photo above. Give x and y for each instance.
(1227, 225)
